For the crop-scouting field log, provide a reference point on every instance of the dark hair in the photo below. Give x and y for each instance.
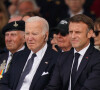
(83, 18)
(97, 22)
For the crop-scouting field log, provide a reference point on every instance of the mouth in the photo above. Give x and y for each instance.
(31, 43)
(74, 41)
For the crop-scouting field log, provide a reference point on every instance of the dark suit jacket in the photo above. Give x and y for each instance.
(11, 78)
(5, 55)
(88, 75)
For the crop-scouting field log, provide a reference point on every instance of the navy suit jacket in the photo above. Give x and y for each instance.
(5, 55)
(11, 78)
(88, 74)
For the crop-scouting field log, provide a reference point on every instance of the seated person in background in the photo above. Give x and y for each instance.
(14, 40)
(32, 70)
(62, 36)
(96, 34)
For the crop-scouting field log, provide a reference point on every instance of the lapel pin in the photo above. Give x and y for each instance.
(86, 57)
(46, 62)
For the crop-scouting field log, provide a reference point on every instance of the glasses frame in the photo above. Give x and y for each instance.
(96, 32)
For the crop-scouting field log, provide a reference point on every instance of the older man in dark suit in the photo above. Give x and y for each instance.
(32, 70)
(78, 69)
(14, 40)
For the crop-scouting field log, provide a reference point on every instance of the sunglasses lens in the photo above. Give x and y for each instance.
(96, 33)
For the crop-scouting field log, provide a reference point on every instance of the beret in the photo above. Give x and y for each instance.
(14, 26)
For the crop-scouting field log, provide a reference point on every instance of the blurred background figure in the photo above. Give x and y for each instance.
(25, 6)
(30, 14)
(76, 7)
(15, 18)
(96, 34)
(12, 8)
(62, 37)
(95, 7)
(23, 17)
(3, 22)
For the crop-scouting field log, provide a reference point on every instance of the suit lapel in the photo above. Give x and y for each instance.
(42, 67)
(20, 63)
(84, 61)
(68, 65)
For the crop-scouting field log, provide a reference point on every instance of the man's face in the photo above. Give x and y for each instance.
(96, 37)
(35, 38)
(14, 40)
(79, 35)
(75, 5)
(25, 7)
(63, 41)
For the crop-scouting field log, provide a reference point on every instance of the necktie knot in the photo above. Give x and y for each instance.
(33, 56)
(77, 55)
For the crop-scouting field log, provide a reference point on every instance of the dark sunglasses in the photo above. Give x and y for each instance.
(96, 32)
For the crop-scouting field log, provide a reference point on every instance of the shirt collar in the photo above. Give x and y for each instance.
(71, 14)
(18, 50)
(21, 48)
(10, 53)
(82, 52)
(41, 52)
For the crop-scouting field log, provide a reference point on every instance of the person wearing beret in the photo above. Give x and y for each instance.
(14, 40)
(62, 36)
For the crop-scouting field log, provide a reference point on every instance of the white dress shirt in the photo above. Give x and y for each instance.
(28, 79)
(81, 52)
(10, 57)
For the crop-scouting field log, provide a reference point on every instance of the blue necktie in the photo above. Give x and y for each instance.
(26, 71)
(74, 70)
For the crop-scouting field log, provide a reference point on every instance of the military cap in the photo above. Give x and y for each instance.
(14, 26)
(62, 27)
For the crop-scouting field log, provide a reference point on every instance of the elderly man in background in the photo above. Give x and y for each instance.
(62, 36)
(14, 40)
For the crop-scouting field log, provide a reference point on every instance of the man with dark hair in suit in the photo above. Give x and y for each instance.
(32, 70)
(14, 40)
(78, 69)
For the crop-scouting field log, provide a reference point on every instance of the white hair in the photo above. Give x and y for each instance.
(39, 19)
(32, 1)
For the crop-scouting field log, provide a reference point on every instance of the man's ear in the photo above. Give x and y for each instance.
(46, 36)
(90, 33)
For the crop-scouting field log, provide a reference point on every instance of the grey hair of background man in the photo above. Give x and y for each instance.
(32, 1)
(44, 22)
